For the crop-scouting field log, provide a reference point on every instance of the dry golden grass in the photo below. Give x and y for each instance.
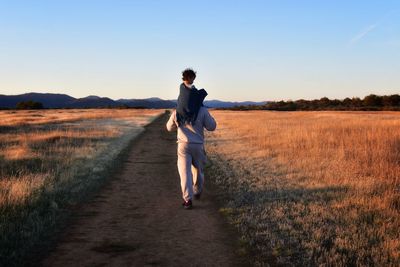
(50, 159)
(312, 188)
(32, 117)
(41, 142)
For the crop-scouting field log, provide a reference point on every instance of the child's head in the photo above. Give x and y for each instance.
(188, 75)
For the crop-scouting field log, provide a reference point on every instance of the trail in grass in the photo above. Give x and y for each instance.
(137, 218)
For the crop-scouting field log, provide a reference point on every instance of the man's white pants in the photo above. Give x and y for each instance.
(191, 161)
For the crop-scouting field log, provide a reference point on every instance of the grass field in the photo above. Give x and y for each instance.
(311, 188)
(51, 159)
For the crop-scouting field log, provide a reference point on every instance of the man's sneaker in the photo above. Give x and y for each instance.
(197, 196)
(187, 204)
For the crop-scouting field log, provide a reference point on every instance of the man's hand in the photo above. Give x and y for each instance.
(171, 124)
(209, 122)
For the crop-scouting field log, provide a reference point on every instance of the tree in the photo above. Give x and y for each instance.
(372, 100)
(391, 100)
(357, 102)
(29, 105)
(324, 102)
(347, 102)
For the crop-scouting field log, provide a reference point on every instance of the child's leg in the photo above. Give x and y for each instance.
(198, 162)
(184, 168)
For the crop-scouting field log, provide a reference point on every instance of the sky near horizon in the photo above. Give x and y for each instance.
(241, 50)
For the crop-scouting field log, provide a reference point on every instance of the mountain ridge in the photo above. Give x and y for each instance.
(58, 100)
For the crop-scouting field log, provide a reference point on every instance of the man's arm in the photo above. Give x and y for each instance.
(209, 121)
(171, 125)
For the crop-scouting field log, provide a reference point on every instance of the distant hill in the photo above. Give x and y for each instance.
(153, 102)
(227, 104)
(92, 102)
(50, 100)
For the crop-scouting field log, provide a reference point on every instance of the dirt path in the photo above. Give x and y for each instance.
(137, 219)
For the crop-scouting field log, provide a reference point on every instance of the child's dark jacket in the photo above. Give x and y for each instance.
(189, 103)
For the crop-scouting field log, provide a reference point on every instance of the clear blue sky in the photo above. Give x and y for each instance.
(241, 50)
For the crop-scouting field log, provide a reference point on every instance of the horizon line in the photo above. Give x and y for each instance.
(288, 99)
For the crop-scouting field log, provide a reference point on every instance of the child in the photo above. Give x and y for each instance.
(190, 99)
(190, 118)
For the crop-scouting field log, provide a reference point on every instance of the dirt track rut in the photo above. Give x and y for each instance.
(137, 218)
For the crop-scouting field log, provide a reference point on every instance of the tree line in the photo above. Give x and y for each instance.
(29, 105)
(369, 102)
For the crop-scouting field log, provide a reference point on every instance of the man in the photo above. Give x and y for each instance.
(190, 121)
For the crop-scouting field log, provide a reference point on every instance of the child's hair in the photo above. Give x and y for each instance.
(188, 73)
